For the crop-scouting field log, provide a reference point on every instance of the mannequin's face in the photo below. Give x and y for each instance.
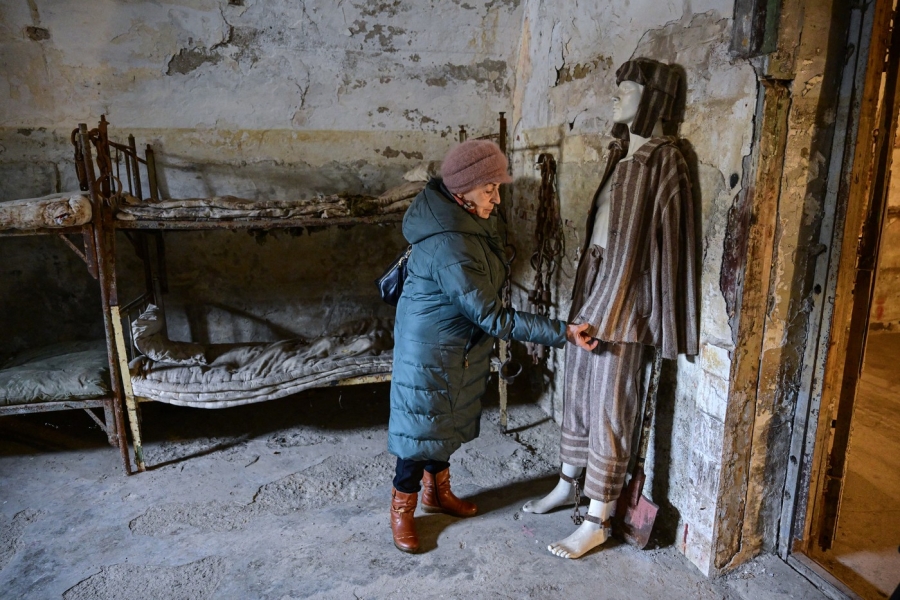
(626, 102)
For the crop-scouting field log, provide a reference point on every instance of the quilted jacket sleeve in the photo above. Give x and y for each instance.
(462, 274)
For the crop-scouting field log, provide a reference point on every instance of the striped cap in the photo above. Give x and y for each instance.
(661, 83)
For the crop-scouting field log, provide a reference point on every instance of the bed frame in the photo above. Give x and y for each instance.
(91, 233)
(120, 170)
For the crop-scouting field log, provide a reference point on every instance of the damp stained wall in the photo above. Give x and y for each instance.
(256, 99)
(565, 76)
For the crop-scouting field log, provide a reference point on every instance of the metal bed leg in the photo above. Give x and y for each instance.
(134, 415)
(503, 346)
(502, 385)
(112, 430)
(106, 269)
(107, 429)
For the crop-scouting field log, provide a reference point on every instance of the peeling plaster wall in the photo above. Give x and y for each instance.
(565, 78)
(215, 64)
(256, 99)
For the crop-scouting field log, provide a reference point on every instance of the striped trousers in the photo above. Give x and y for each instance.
(602, 396)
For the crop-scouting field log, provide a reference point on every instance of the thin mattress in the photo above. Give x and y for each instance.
(69, 209)
(223, 375)
(231, 208)
(66, 371)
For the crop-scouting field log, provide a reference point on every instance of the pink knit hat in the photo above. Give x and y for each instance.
(474, 163)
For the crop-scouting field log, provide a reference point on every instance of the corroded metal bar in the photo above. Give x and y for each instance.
(128, 174)
(502, 386)
(503, 345)
(74, 248)
(112, 428)
(136, 302)
(136, 168)
(90, 250)
(134, 415)
(118, 167)
(104, 158)
(40, 231)
(151, 174)
(106, 278)
(39, 407)
(95, 418)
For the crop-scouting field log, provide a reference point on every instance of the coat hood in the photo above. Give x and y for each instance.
(434, 211)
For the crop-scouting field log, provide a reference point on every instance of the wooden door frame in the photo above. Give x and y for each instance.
(823, 414)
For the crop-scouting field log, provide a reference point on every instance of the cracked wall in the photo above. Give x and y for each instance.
(565, 78)
(255, 99)
(258, 66)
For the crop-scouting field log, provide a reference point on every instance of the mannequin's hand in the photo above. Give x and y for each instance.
(578, 335)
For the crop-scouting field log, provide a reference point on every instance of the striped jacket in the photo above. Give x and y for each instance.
(646, 287)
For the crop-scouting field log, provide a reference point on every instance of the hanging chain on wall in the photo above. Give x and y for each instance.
(103, 160)
(79, 163)
(510, 368)
(548, 242)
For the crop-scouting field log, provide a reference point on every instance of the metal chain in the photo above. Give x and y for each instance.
(105, 169)
(510, 368)
(549, 246)
(576, 515)
(79, 163)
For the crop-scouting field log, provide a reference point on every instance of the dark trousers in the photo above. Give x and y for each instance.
(409, 473)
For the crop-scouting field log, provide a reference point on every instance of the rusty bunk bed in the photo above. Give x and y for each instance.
(70, 375)
(188, 374)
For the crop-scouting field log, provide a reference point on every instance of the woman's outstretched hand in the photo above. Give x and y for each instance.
(578, 335)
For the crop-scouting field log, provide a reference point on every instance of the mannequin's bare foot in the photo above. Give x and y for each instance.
(586, 537)
(561, 495)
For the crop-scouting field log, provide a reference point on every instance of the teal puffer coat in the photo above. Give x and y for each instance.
(450, 300)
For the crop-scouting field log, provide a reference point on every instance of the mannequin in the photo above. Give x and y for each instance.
(611, 293)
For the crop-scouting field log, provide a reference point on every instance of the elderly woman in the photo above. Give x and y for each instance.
(447, 317)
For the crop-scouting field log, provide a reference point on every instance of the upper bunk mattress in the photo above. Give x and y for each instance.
(231, 208)
(69, 209)
(222, 375)
(67, 371)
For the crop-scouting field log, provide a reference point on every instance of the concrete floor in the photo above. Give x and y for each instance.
(288, 499)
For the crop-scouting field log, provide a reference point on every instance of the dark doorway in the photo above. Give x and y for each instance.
(864, 549)
(854, 524)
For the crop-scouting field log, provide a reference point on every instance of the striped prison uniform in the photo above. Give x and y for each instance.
(602, 392)
(640, 291)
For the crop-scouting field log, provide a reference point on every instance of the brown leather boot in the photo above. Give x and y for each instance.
(437, 497)
(403, 525)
